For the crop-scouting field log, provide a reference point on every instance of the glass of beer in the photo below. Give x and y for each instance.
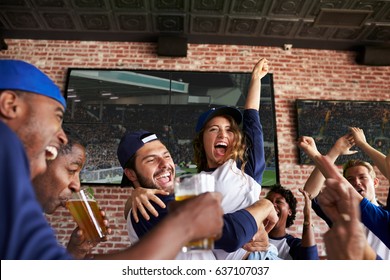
(190, 185)
(85, 211)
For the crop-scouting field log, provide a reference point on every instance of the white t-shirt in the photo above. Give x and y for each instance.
(239, 191)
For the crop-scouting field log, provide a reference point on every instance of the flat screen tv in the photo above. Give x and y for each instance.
(103, 104)
(328, 120)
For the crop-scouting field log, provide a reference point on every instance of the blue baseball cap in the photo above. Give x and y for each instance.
(20, 75)
(213, 112)
(130, 143)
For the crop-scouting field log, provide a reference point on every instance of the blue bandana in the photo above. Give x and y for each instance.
(19, 75)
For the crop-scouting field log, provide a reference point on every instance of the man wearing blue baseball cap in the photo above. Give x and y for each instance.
(33, 107)
(31, 113)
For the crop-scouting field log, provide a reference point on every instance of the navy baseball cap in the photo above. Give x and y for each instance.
(20, 75)
(130, 143)
(213, 112)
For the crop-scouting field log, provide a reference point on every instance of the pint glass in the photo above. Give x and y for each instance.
(85, 211)
(191, 185)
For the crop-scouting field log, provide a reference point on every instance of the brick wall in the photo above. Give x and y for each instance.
(298, 74)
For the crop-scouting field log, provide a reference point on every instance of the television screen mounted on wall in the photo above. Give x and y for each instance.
(103, 104)
(328, 120)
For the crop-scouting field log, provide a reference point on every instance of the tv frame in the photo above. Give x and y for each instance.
(79, 82)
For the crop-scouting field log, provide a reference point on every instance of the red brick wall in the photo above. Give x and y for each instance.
(298, 74)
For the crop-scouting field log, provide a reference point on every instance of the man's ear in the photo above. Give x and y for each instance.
(376, 182)
(131, 174)
(9, 104)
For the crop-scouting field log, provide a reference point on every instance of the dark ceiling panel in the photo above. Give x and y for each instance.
(379, 34)
(134, 6)
(62, 21)
(22, 19)
(91, 4)
(243, 26)
(50, 3)
(95, 22)
(290, 9)
(170, 6)
(172, 23)
(133, 22)
(249, 8)
(207, 25)
(216, 7)
(280, 28)
(348, 34)
(249, 22)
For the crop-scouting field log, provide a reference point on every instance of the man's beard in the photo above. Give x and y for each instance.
(149, 183)
(145, 182)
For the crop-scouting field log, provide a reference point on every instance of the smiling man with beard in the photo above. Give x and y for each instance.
(146, 161)
(149, 168)
(147, 164)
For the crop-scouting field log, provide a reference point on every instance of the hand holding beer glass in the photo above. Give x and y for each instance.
(190, 185)
(85, 211)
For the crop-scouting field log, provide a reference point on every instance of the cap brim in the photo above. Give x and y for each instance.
(233, 112)
(230, 111)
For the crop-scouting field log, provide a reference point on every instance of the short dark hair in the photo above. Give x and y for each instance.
(290, 199)
(73, 139)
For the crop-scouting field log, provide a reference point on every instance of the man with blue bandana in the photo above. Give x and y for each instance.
(31, 113)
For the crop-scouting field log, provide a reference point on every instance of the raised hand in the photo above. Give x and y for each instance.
(344, 144)
(254, 93)
(260, 69)
(307, 206)
(358, 136)
(308, 145)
